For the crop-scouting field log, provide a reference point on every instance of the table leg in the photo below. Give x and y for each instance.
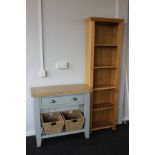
(87, 114)
(37, 121)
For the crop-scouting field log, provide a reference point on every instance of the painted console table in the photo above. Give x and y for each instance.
(61, 98)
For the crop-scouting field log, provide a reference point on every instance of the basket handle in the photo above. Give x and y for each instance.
(74, 120)
(53, 123)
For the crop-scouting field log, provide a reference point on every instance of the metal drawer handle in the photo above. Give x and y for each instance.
(52, 101)
(74, 99)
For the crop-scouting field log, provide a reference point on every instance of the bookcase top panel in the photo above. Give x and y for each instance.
(102, 19)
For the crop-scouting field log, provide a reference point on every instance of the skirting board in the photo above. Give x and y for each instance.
(30, 133)
(125, 119)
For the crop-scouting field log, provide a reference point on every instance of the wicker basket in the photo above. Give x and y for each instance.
(52, 122)
(74, 120)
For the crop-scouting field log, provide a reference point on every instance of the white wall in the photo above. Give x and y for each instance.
(123, 113)
(64, 39)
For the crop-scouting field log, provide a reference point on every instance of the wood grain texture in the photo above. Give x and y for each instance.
(105, 66)
(103, 52)
(104, 77)
(102, 19)
(105, 33)
(98, 125)
(105, 45)
(102, 118)
(90, 27)
(102, 106)
(105, 56)
(104, 96)
(60, 90)
(104, 87)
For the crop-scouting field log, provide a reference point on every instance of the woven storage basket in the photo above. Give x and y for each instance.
(52, 122)
(74, 120)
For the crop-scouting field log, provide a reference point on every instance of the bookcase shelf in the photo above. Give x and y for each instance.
(104, 77)
(97, 125)
(103, 50)
(102, 118)
(103, 87)
(105, 45)
(105, 56)
(105, 67)
(102, 106)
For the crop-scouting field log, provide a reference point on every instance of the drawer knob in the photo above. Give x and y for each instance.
(74, 99)
(52, 101)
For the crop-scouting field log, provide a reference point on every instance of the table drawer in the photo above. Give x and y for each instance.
(71, 99)
(74, 99)
(51, 100)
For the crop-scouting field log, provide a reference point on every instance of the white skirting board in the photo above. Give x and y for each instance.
(126, 119)
(30, 133)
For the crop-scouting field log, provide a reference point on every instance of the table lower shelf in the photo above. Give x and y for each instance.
(62, 134)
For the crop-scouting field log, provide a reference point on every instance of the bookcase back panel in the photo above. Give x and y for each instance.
(104, 96)
(104, 77)
(106, 33)
(103, 116)
(105, 56)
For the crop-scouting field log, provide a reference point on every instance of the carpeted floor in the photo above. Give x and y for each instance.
(104, 142)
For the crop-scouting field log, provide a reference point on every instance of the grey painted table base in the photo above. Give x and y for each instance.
(66, 102)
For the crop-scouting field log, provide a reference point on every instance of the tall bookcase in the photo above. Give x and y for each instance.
(103, 50)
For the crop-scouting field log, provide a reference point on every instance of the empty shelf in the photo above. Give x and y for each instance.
(104, 87)
(101, 125)
(105, 45)
(102, 106)
(105, 67)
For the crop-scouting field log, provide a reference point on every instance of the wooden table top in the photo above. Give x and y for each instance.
(60, 90)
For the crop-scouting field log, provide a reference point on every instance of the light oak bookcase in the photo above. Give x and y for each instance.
(103, 50)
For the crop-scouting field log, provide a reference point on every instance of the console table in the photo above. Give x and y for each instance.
(61, 98)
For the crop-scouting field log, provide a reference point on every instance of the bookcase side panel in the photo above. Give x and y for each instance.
(90, 26)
